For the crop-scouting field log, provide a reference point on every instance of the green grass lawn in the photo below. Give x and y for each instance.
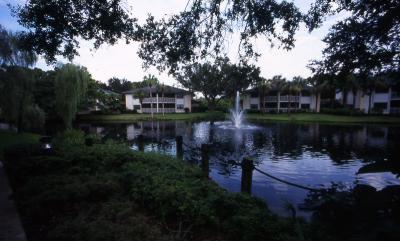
(141, 117)
(8, 138)
(324, 118)
(294, 117)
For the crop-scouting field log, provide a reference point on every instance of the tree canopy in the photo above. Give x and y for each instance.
(199, 31)
(218, 79)
(119, 85)
(71, 83)
(366, 43)
(11, 51)
(55, 27)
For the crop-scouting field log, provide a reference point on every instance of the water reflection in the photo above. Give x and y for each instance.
(311, 155)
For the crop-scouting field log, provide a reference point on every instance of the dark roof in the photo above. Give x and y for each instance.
(108, 92)
(274, 88)
(167, 90)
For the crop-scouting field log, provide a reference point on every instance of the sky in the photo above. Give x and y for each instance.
(121, 60)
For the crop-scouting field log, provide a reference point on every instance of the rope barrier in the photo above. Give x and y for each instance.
(287, 182)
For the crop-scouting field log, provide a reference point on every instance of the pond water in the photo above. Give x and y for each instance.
(300, 155)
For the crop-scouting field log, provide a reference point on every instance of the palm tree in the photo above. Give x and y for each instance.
(294, 87)
(150, 81)
(162, 96)
(140, 95)
(279, 83)
(318, 84)
(263, 86)
(370, 84)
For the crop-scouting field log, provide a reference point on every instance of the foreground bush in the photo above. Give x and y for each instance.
(109, 192)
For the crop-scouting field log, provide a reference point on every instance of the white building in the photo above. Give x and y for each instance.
(386, 101)
(166, 99)
(281, 101)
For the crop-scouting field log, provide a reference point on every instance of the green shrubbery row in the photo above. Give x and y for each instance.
(109, 192)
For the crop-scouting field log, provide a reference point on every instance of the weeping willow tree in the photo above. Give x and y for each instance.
(71, 84)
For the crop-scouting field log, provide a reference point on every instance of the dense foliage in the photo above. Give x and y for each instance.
(55, 27)
(107, 191)
(199, 31)
(367, 42)
(218, 79)
(17, 105)
(71, 83)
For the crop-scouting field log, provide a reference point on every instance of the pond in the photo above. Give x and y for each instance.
(290, 159)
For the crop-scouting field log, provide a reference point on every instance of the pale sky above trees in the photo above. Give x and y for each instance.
(122, 61)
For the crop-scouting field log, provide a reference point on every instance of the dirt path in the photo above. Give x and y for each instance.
(10, 222)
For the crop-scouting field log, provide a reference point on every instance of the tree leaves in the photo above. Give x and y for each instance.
(55, 27)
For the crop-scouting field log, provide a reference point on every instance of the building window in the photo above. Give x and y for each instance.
(284, 104)
(179, 107)
(271, 104)
(305, 106)
(254, 106)
(136, 107)
(395, 103)
(180, 96)
(380, 106)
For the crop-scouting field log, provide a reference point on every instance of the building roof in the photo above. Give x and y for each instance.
(274, 88)
(159, 89)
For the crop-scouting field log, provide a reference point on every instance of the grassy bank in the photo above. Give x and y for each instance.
(144, 117)
(8, 138)
(295, 117)
(324, 118)
(109, 192)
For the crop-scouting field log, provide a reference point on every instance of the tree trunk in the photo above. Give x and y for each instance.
(163, 102)
(369, 102)
(344, 92)
(19, 121)
(151, 104)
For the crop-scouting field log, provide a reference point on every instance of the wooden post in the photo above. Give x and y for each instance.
(205, 164)
(140, 143)
(179, 147)
(247, 175)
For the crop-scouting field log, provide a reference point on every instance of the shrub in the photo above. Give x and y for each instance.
(342, 111)
(129, 111)
(199, 109)
(34, 118)
(69, 138)
(253, 111)
(109, 192)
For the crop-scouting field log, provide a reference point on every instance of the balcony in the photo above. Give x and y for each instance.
(160, 110)
(289, 98)
(160, 100)
(271, 98)
(283, 98)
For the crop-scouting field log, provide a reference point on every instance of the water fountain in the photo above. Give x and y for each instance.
(237, 113)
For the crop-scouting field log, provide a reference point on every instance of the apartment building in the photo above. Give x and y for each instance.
(167, 99)
(275, 100)
(385, 100)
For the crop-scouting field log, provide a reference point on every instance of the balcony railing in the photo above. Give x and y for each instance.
(160, 100)
(271, 98)
(160, 110)
(283, 98)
